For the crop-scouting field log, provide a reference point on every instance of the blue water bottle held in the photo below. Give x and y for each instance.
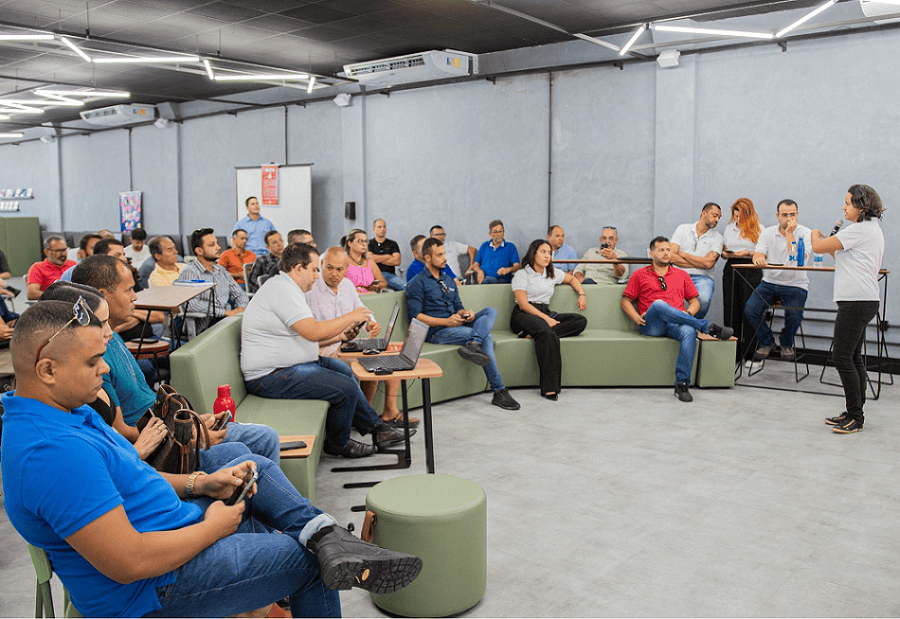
(801, 253)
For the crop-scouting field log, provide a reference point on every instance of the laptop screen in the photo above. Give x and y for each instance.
(415, 339)
(392, 322)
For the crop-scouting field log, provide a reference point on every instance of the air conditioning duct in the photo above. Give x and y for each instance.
(123, 114)
(421, 67)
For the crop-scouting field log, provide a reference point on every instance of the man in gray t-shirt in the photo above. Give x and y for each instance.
(280, 356)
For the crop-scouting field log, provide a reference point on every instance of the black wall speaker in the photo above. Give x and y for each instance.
(349, 210)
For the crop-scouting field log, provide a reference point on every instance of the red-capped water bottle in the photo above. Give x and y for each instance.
(224, 401)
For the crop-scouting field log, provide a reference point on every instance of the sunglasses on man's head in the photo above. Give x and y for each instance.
(81, 314)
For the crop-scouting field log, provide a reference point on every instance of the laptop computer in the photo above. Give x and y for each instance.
(408, 357)
(378, 343)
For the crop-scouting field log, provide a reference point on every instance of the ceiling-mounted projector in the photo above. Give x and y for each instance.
(421, 67)
(123, 114)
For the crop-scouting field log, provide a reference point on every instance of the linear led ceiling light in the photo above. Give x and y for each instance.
(208, 68)
(145, 59)
(26, 37)
(312, 84)
(805, 18)
(11, 107)
(599, 42)
(262, 77)
(713, 31)
(634, 38)
(75, 49)
(12, 135)
(87, 92)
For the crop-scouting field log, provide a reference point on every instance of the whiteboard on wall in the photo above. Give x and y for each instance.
(294, 209)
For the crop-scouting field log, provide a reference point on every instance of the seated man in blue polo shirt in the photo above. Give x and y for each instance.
(125, 384)
(127, 541)
(417, 266)
(432, 297)
(496, 260)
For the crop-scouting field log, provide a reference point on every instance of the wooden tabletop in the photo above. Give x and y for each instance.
(425, 368)
(784, 267)
(6, 366)
(168, 298)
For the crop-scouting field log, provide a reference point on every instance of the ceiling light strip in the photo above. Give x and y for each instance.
(805, 18)
(312, 84)
(145, 59)
(27, 37)
(12, 135)
(208, 68)
(75, 49)
(262, 77)
(599, 42)
(713, 31)
(634, 39)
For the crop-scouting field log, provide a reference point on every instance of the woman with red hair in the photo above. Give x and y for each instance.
(740, 236)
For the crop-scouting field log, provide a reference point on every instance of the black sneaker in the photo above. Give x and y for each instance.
(682, 393)
(473, 352)
(347, 561)
(504, 400)
(849, 427)
(721, 333)
(839, 420)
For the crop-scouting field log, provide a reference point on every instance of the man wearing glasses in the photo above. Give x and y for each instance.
(42, 274)
(660, 290)
(603, 273)
(433, 298)
(496, 260)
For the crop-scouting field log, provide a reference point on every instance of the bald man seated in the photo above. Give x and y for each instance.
(127, 541)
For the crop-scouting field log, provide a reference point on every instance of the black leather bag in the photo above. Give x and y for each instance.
(179, 452)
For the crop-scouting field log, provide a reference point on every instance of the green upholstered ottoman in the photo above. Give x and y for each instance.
(443, 520)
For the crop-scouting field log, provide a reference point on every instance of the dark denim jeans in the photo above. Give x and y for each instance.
(479, 330)
(849, 335)
(325, 379)
(705, 285)
(664, 320)
(257, 565)
(765, 296)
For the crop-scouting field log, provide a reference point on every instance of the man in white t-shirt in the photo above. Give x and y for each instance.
(788, 286)
(455, 250)
(695, 248)
(138, 251)
(280, 356)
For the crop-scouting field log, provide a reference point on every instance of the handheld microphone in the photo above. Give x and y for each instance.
(837, 226)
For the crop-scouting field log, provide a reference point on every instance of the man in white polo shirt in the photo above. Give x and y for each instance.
(696, 248)
(788, 286)
(280, 356)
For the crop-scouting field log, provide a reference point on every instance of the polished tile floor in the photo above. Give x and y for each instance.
(626, 502)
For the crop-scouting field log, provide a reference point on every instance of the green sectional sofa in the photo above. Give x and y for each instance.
(213, 359)
(610, 352)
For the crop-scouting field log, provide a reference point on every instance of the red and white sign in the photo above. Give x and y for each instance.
(270, 185)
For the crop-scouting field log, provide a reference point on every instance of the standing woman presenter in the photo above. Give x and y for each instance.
(857, 250)
(533, 288)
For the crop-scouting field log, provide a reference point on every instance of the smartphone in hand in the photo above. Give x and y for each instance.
(240, 492)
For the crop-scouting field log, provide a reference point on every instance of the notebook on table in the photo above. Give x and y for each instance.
(376, 343)
(409, 355)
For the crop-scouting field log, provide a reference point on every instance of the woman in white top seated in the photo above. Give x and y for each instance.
(741, 235)
(533, 288)
(858, 250)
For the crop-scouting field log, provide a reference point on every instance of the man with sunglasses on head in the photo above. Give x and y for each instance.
(603, 273)
(432, 297)
(661, 290)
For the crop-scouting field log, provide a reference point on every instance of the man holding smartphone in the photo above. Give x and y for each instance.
(128, 541)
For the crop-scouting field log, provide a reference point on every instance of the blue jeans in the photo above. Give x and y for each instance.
(241, 441)
(490, 279)
(325, 379)
(256, 565)
(479, 330)
(705, 285)
(393, 282)
(762, 299)
(664, 320)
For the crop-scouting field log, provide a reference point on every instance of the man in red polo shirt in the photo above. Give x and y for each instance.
(42, 274)
(661, 290)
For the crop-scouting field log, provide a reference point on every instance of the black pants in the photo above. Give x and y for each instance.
(849, 335)
(734, 305)
(546, 340)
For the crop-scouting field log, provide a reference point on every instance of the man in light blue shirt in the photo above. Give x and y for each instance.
(556, 236)
(256, 227)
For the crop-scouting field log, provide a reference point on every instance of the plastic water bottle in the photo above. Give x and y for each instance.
(818, 261)
(792, 256)
(224, 402)
(801, 253)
